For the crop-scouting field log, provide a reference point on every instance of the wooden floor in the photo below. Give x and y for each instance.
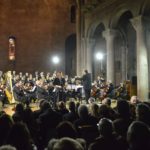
(9, 108)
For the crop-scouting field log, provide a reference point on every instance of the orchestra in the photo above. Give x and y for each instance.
(27, 88)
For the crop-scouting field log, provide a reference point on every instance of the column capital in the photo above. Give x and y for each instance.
(111, 33)
(140, 22)
(137, 22)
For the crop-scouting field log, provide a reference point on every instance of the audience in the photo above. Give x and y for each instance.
(74, 126)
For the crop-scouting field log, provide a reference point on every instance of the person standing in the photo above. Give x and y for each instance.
(59, 83)
(86, 80)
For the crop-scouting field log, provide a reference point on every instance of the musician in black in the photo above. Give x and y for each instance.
(19, 94)
(86, 80)
(3, 97)
(41, 90)
(59, 83)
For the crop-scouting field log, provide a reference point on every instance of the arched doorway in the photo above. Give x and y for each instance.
(125, 50)
(70, 54)
(99, 65)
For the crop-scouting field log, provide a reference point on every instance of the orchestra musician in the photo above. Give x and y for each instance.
(3, 97)
(59, 83)
(41, 91)
(18, 91)
(86, 79)
(30, 91)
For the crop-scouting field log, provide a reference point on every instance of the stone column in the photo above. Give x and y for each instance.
(123, 63)
(78, 35)
(89, 48)
(109, 36)
(142, 59)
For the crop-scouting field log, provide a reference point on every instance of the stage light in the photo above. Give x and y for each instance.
(55, 60)
(99, 56)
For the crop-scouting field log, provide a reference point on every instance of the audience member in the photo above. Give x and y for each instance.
(67, 144)
(71, 115)
(7, 147)
(66, 129)
(138, 136)
(20, 138)
(143, 113)
(106, 140)
(6, 124)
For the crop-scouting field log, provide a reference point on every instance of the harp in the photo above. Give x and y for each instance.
(9, 89)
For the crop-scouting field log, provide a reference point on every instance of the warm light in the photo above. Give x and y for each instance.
(99, 56)
(55, 59)
(11, 57)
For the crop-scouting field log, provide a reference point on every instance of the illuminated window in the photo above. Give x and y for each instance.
(11, 48)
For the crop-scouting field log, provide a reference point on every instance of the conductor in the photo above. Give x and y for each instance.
(86, 79)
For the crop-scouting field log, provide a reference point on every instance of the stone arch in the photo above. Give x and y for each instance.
(117, 15)
(92, 27)
(125, 48)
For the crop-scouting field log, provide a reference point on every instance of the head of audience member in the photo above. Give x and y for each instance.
(45, 106)
(61, 105)
(120, 127)
(19, 108)
(138, 136)
(19, 137)
(19, 113)
(66, 129)
(7, 147)
(105, 127)
(28, 116)
(134, 100)
(107, 101)
(83, 111)
(143, 113)
(67, 144)
(82, 142)
(123, 109)
(94, 110)
(51, 144)
(71, 106)
(104, 111)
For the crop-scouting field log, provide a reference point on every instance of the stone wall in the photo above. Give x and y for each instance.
(40, 27)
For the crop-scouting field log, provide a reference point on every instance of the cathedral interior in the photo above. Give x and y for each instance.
(74, 74)
(75, 30)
